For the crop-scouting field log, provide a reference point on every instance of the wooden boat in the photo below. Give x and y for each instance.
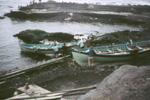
(112, 53)
(44, 48)
(34, 92)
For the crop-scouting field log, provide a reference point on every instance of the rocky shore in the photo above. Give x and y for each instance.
(69, 75)
(54, 11)
(121, 37)
(126, 83)
(116, 81)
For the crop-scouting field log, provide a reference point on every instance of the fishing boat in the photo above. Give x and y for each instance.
(44, 48)
(112, 53)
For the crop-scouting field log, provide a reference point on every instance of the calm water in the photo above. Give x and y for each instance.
(10, 54)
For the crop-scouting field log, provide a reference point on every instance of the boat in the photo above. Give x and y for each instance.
(112, 53)
(44, 48)
(34, 92)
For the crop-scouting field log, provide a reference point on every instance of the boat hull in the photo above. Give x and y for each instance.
(45, 48)
(82, 58)
(33, 50)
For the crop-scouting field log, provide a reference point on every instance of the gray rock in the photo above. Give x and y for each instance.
(126, 83)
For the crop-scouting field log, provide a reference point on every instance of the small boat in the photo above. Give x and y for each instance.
(34, 92)
(44, 48)
(112, 53)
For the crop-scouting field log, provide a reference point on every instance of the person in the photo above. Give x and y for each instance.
(81, 43)
(91, 57)
(33, 1)
(55, 42)
(88, 43)
(64, 50)
(130, 41)
(134, 53)
(56, 50)
(26, 86)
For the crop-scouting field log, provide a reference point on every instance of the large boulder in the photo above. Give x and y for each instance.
(35, 36)
(126, 83)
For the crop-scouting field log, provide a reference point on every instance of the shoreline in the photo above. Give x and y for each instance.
(66, 76)
(73, 12)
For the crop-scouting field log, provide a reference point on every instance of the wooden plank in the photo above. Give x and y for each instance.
(79, 89)
(2, 82)
(36, 92)
(33, 90)
(75, 93)
(41, 97)
(31, 67)
(70, 92)
(8, 77)
(56, 95)
(23, 95)
(38, 98)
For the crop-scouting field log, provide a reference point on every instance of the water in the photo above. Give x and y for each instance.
(10, 54)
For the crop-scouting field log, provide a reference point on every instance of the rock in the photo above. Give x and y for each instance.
(126, 83)
(35, 36)
(2, 17)
(121, 37)
(55, 11)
